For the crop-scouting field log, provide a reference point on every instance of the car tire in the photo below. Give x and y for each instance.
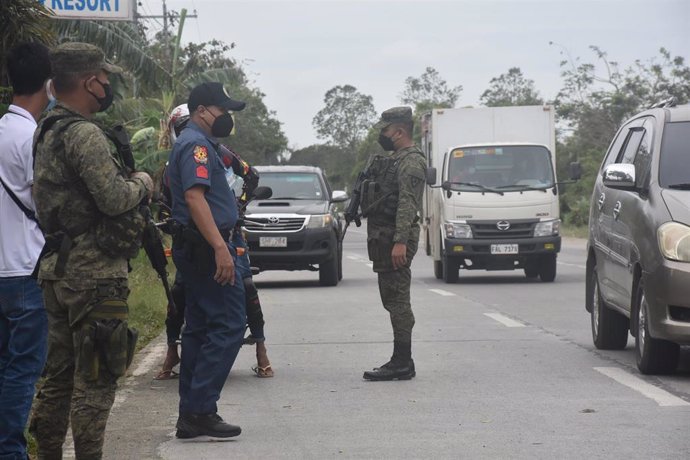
(340, 260)
(450, 270)
(609, 328)
(653, 356)
(328, 272)
(438, 269)
(547, 268)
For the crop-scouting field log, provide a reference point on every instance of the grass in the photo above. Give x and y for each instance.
(147, 301)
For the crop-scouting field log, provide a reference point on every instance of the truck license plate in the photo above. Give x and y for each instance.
(273, 241)
(504, 249)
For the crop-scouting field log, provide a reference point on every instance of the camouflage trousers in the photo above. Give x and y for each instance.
(66, 395)
(394, 285)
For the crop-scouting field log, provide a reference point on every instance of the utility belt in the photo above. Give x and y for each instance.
(195, 247)
(103, 341)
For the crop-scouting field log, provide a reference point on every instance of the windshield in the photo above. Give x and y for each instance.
(675, 153)
(506, 168)
(293, 186)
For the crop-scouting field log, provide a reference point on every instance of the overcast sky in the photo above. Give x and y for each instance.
(295, 51)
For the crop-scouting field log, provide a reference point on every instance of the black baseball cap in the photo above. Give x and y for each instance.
(212, 93)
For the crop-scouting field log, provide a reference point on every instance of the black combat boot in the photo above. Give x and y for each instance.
(400, 367)
(193, 425)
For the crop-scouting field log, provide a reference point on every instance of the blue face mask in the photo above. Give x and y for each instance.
(51, 99)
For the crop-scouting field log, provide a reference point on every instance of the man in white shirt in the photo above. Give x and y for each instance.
(23, 320)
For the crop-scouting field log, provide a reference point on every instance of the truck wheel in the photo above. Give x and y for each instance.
(438, 269)
(654, 356)
(450, 270)
(531, 270)
(609, 328)
(547, 268)
(328, 272)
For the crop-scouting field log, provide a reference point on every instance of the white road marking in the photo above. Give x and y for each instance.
(370, 265)
(442, 292)
(508, 322)
(661, 397)
(353, 257)
(573, 265)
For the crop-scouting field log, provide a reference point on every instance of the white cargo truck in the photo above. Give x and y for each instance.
(496, 205)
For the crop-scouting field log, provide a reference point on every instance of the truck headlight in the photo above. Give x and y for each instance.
(548, 228)
(320, 221)
(455, 230)
(674, 241)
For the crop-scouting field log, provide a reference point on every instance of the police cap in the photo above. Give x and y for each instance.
(212, 93)
(78, 58)
(394, 115)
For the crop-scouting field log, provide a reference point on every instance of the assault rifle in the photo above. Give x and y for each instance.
(151, 240)
(352, 213)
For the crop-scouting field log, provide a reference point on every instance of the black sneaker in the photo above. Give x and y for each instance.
(212, 425)
(391, 371)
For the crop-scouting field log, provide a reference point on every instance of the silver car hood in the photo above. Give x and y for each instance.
(678, 204)
(288, 207)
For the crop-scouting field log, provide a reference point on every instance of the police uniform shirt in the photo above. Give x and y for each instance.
(194, 161)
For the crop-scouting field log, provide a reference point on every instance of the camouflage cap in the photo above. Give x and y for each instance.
(75, 58)
(394, 115)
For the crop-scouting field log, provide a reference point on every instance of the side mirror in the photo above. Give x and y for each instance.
(430, 176)
(339, 196)
(575, 170)
(619, 176)
(262, 193)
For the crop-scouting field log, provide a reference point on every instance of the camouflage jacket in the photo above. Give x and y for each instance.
(77, 181)
(404, 179)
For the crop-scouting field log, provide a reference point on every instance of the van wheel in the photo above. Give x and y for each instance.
(328, 272)
(609, 328)
(450, 270)
(654, 356)
(438, 269)
(547, 268)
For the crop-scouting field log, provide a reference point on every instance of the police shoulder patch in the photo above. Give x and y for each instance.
(201, 154)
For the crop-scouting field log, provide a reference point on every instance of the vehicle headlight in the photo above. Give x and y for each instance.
(455, 230)
(674, 241)
(320, 221)
(548, 228)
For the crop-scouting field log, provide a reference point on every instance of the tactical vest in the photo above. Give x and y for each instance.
(117, 236)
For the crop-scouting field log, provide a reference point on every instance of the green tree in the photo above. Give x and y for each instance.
(335, 161)
(510, 88)
(346, 117)
(429, 91)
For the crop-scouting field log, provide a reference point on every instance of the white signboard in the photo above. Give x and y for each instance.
(102, 10)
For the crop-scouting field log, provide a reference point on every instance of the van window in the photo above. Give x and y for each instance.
(643, 157)
(674, 155)
(631, 146)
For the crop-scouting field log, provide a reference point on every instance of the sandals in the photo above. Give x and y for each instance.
(167, 374)
(263, 372)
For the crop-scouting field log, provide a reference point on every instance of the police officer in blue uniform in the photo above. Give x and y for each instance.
(205, 209)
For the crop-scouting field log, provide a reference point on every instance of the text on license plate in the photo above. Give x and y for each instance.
(273, 241)
(504, 249)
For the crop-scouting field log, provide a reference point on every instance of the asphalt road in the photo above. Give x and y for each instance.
(505, 369)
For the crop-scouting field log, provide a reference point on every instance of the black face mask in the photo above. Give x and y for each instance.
(105, 101)
(386, 143)
(222, 125)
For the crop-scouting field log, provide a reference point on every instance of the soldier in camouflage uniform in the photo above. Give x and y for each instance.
(87, 206)
(392, 202)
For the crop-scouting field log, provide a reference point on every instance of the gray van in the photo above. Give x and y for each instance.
(638, 262)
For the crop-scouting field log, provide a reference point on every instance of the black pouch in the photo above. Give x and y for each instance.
(196, 249)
